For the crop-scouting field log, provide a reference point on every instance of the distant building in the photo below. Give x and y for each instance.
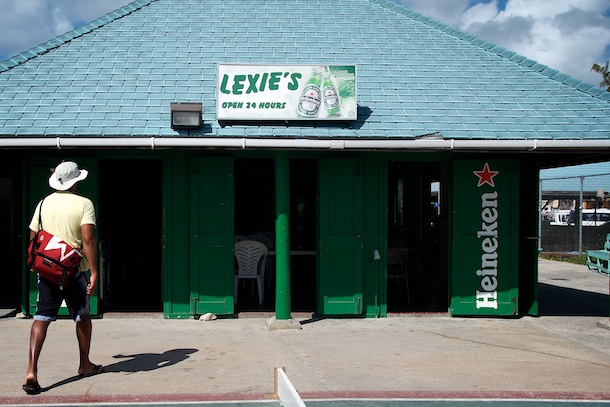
(565, 192)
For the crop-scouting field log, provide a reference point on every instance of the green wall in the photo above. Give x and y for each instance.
(517, 185)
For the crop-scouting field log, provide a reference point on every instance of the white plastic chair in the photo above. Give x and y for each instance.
(266, 238)
(251, 257)
(397, 271)
(415, 270)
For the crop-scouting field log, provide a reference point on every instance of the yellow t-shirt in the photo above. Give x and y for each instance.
(63, 213)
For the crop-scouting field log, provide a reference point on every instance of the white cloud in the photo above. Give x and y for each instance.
(60, 21)
(447, 11)
(479, 13)
(27, 23)
(568, 35)
(22, 24)
(540, 9)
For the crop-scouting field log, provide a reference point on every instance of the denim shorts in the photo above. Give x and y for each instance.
(51, 296)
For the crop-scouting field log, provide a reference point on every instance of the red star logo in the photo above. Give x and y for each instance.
(486, 176)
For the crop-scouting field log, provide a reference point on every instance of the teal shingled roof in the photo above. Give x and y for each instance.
(568, 179)
(117, 75)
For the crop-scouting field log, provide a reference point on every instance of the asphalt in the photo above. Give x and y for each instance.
(563, 354)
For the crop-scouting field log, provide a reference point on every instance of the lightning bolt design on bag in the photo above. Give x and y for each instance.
(57, 243)
(56, 260)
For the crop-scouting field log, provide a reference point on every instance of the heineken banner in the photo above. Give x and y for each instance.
(286, 92)
(485, 267)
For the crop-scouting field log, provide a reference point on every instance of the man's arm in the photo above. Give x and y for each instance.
(90, 249)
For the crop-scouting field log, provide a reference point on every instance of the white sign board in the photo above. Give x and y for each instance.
(286, 92)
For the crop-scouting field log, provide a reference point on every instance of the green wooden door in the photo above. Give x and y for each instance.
(212, 235)
(340, 241)
(485, 247)
(40, 171)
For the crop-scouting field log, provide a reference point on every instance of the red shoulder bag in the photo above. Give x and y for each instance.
(51, 257)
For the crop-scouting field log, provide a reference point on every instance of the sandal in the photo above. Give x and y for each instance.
(32, 388)
(97, 369)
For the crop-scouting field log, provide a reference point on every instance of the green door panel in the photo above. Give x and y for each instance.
(212, 235)
(485, 260)
(340, 242)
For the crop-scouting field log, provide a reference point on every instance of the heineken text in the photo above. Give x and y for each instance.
(488, 296)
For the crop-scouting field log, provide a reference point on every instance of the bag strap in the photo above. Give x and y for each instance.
(40, 214)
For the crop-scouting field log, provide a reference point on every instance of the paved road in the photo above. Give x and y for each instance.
(565, 353)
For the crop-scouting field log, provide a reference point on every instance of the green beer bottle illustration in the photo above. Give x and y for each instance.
(311, 97)
(330, 95)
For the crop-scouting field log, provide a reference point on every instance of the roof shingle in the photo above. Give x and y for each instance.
(117, 75)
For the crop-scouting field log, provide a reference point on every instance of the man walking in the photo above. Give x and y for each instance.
(71, 218)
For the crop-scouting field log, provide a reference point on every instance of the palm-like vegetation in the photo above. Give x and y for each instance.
(603, 70)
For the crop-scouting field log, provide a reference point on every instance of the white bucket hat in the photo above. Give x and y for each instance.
(66, 175)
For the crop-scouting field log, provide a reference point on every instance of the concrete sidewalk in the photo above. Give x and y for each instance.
(563, 354)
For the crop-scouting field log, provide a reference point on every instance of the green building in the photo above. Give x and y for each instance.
(389, 162)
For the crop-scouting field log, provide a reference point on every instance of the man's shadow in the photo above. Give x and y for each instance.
(141, 362)
(144, 362)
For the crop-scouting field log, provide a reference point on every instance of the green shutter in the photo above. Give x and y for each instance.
(340, 254)
(212, 235)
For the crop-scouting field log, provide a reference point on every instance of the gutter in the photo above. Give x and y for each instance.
(421, 144)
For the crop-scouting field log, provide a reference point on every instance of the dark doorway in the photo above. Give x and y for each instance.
(130, 232)
(303, 233)
(417, 238)
(11, 235)
(255, 220)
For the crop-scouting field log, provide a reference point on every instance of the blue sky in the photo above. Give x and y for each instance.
(568, 35)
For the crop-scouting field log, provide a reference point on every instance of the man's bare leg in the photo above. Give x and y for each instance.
(84, 329)
(38, 333)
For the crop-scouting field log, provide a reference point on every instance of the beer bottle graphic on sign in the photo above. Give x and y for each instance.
(311, 97)
(330, 95)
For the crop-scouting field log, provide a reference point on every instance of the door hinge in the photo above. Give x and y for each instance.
(194, 301)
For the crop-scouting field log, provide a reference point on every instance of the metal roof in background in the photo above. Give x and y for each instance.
(568, 179)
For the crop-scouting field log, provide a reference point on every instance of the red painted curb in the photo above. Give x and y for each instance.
(178, 398)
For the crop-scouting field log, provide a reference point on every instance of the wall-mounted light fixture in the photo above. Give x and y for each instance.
(186, 115)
